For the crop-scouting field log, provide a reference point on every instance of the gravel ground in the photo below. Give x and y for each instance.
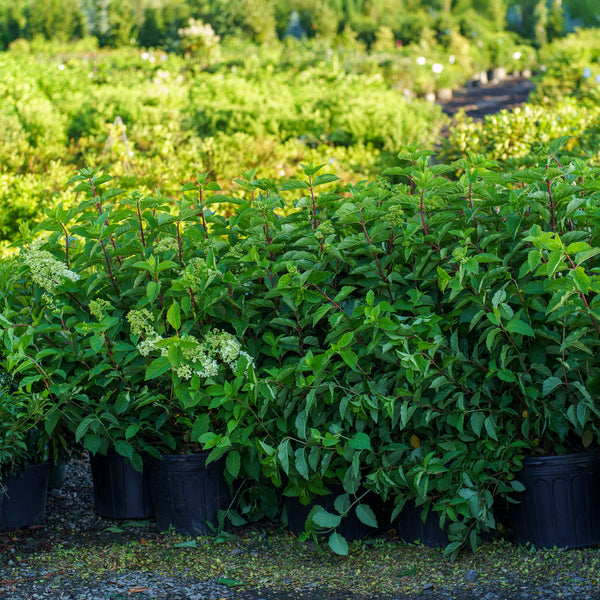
(103, 573)
(486, 99)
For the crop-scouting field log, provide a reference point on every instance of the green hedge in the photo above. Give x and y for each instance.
(412, 337)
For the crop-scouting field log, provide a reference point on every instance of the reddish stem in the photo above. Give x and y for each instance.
(110, 273)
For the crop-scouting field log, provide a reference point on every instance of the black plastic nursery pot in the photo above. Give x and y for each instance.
(561, 502)
(412, 528)
(187, 493)
(350, 527)
(57, 475)
(120, 492)
(23, 498)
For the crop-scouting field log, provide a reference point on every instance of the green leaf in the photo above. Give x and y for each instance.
(96, 343)
(452, 548)
(587, 255)
(301, 463)
(152, 290)
(507, 375)
(51, 420)
(325, 178)
(92, 442)
(174, 315)
(517, 486)
(157, 367)
(294, 184)
(550, 385)
(321, 312)
(554, 261)
(577, 247)
(443, 278)
(366, 515)
(338, 544)
(124, 448)
(533, 259)
(167, 264)
(587, 438)
(325, 519)
(555, 145)
(582, 280)
(477, 419)
(188, 544)
(233, 462)
(228, 582)
(517, 326)
(283, 456)
(131, 430)
(349, 357)
(490, 427)
(360, 441)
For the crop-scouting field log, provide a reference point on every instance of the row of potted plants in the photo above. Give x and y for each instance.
(407, 341)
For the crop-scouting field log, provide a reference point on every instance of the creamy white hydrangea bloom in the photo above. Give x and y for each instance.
(145, 347)
(141, 322)
(209, 367)
(46, 270)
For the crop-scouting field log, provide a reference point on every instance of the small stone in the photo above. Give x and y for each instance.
(427, 586)
(471, 575)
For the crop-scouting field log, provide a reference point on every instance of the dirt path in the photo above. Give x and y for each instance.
(487, 99)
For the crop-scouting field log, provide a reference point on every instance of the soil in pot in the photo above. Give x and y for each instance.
(23, 498)
(187, 493)
(120, 492)
(561, 502)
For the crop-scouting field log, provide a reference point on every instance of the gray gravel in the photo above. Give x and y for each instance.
(70, 514)
(71, 521)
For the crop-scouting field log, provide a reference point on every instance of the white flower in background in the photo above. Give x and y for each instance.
(517, 55)
(61, 67)
(452, 59)
(437, 68)
(421, 60)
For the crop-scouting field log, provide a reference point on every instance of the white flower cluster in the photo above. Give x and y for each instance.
(165, 244)
(197, 274)
(146, 346)
(196, 29)
(200, 357)
(47, 271)
(97, 308)
(141, 322)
